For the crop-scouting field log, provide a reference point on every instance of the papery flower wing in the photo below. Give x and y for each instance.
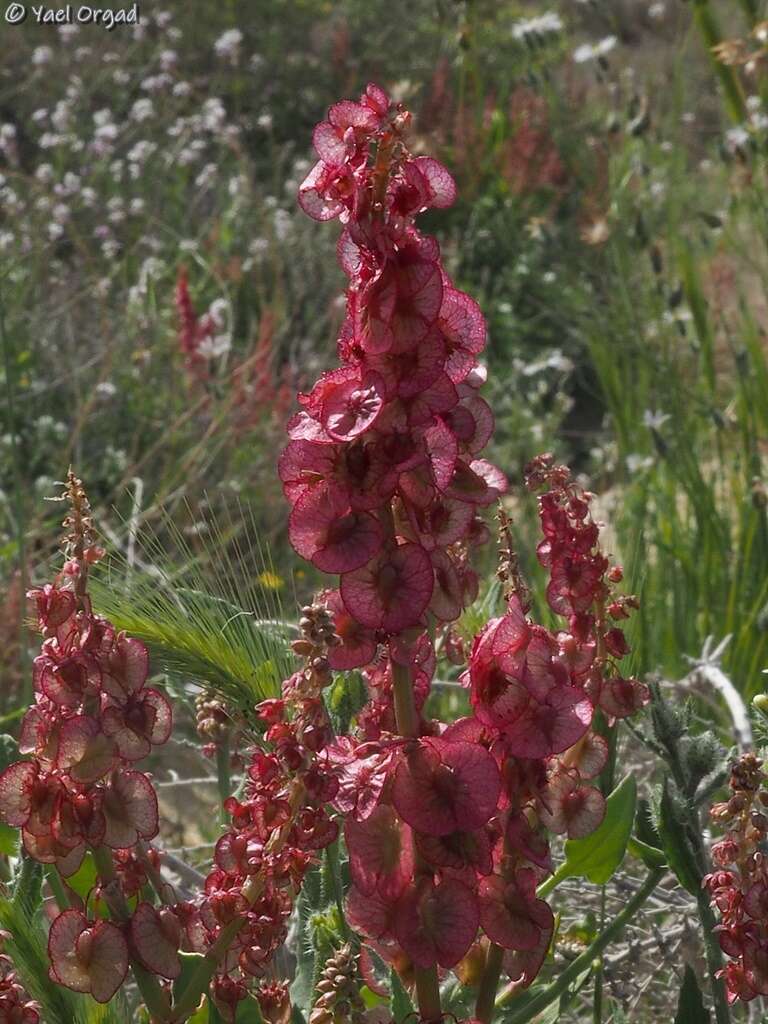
(442, 787)
(87, 958)
(16, 784)
(392, 592)
(437, 924)
(380, 852)
(84, 750)
(550, 728)
(130, 810)
(442, 187)
(156, 949)
(370, 915)
(510, 914)
(125, 668)
(330, 535)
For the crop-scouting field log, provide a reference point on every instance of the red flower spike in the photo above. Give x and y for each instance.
(87, 957)
(442, 787)
(510, 914)
(392, 592)
(436, 924)
(156, 936)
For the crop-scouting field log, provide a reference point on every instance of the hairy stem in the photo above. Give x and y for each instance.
(583, 962)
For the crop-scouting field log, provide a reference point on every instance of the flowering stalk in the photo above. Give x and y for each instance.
(444, 825)
(92, 719)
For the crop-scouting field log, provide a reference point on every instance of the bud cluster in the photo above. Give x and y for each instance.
(739, 886)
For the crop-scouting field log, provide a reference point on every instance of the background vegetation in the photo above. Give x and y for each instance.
(611, 223)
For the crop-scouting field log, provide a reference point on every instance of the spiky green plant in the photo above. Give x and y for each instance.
(210, 614)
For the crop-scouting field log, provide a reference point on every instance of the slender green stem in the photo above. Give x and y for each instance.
(332, 869)
(597, 999)
(405, 709)
(57, 887)
(709, 30)
(583, 962)
(486, 997)
(714, 959)
(222, 773)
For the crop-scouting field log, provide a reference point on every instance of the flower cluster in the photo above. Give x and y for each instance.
(92, 720)
(739, 885)
(15, 1005)
(278, 825)
(382, 470)
(447, 834)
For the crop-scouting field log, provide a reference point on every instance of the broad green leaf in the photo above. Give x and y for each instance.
(189, 964)
(401, 1005)
(649, 855)
(690, 1005)
(9, 840)
(598, 855)
(673, 841)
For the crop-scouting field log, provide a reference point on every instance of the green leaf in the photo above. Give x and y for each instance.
(401, 1004)
(649, 855)
(598, 855)
(9, 840)
(84, 878)
(674, 844)
(690, 1005)
(189, 964)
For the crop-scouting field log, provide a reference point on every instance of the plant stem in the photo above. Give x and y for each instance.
(222, 772)
(151, 991)
(405, 709)
(583, 962)
(486, 997)
(407, 718)
(714, 959)
(709, 30)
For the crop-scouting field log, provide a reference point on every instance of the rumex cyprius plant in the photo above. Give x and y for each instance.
(447, 826)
